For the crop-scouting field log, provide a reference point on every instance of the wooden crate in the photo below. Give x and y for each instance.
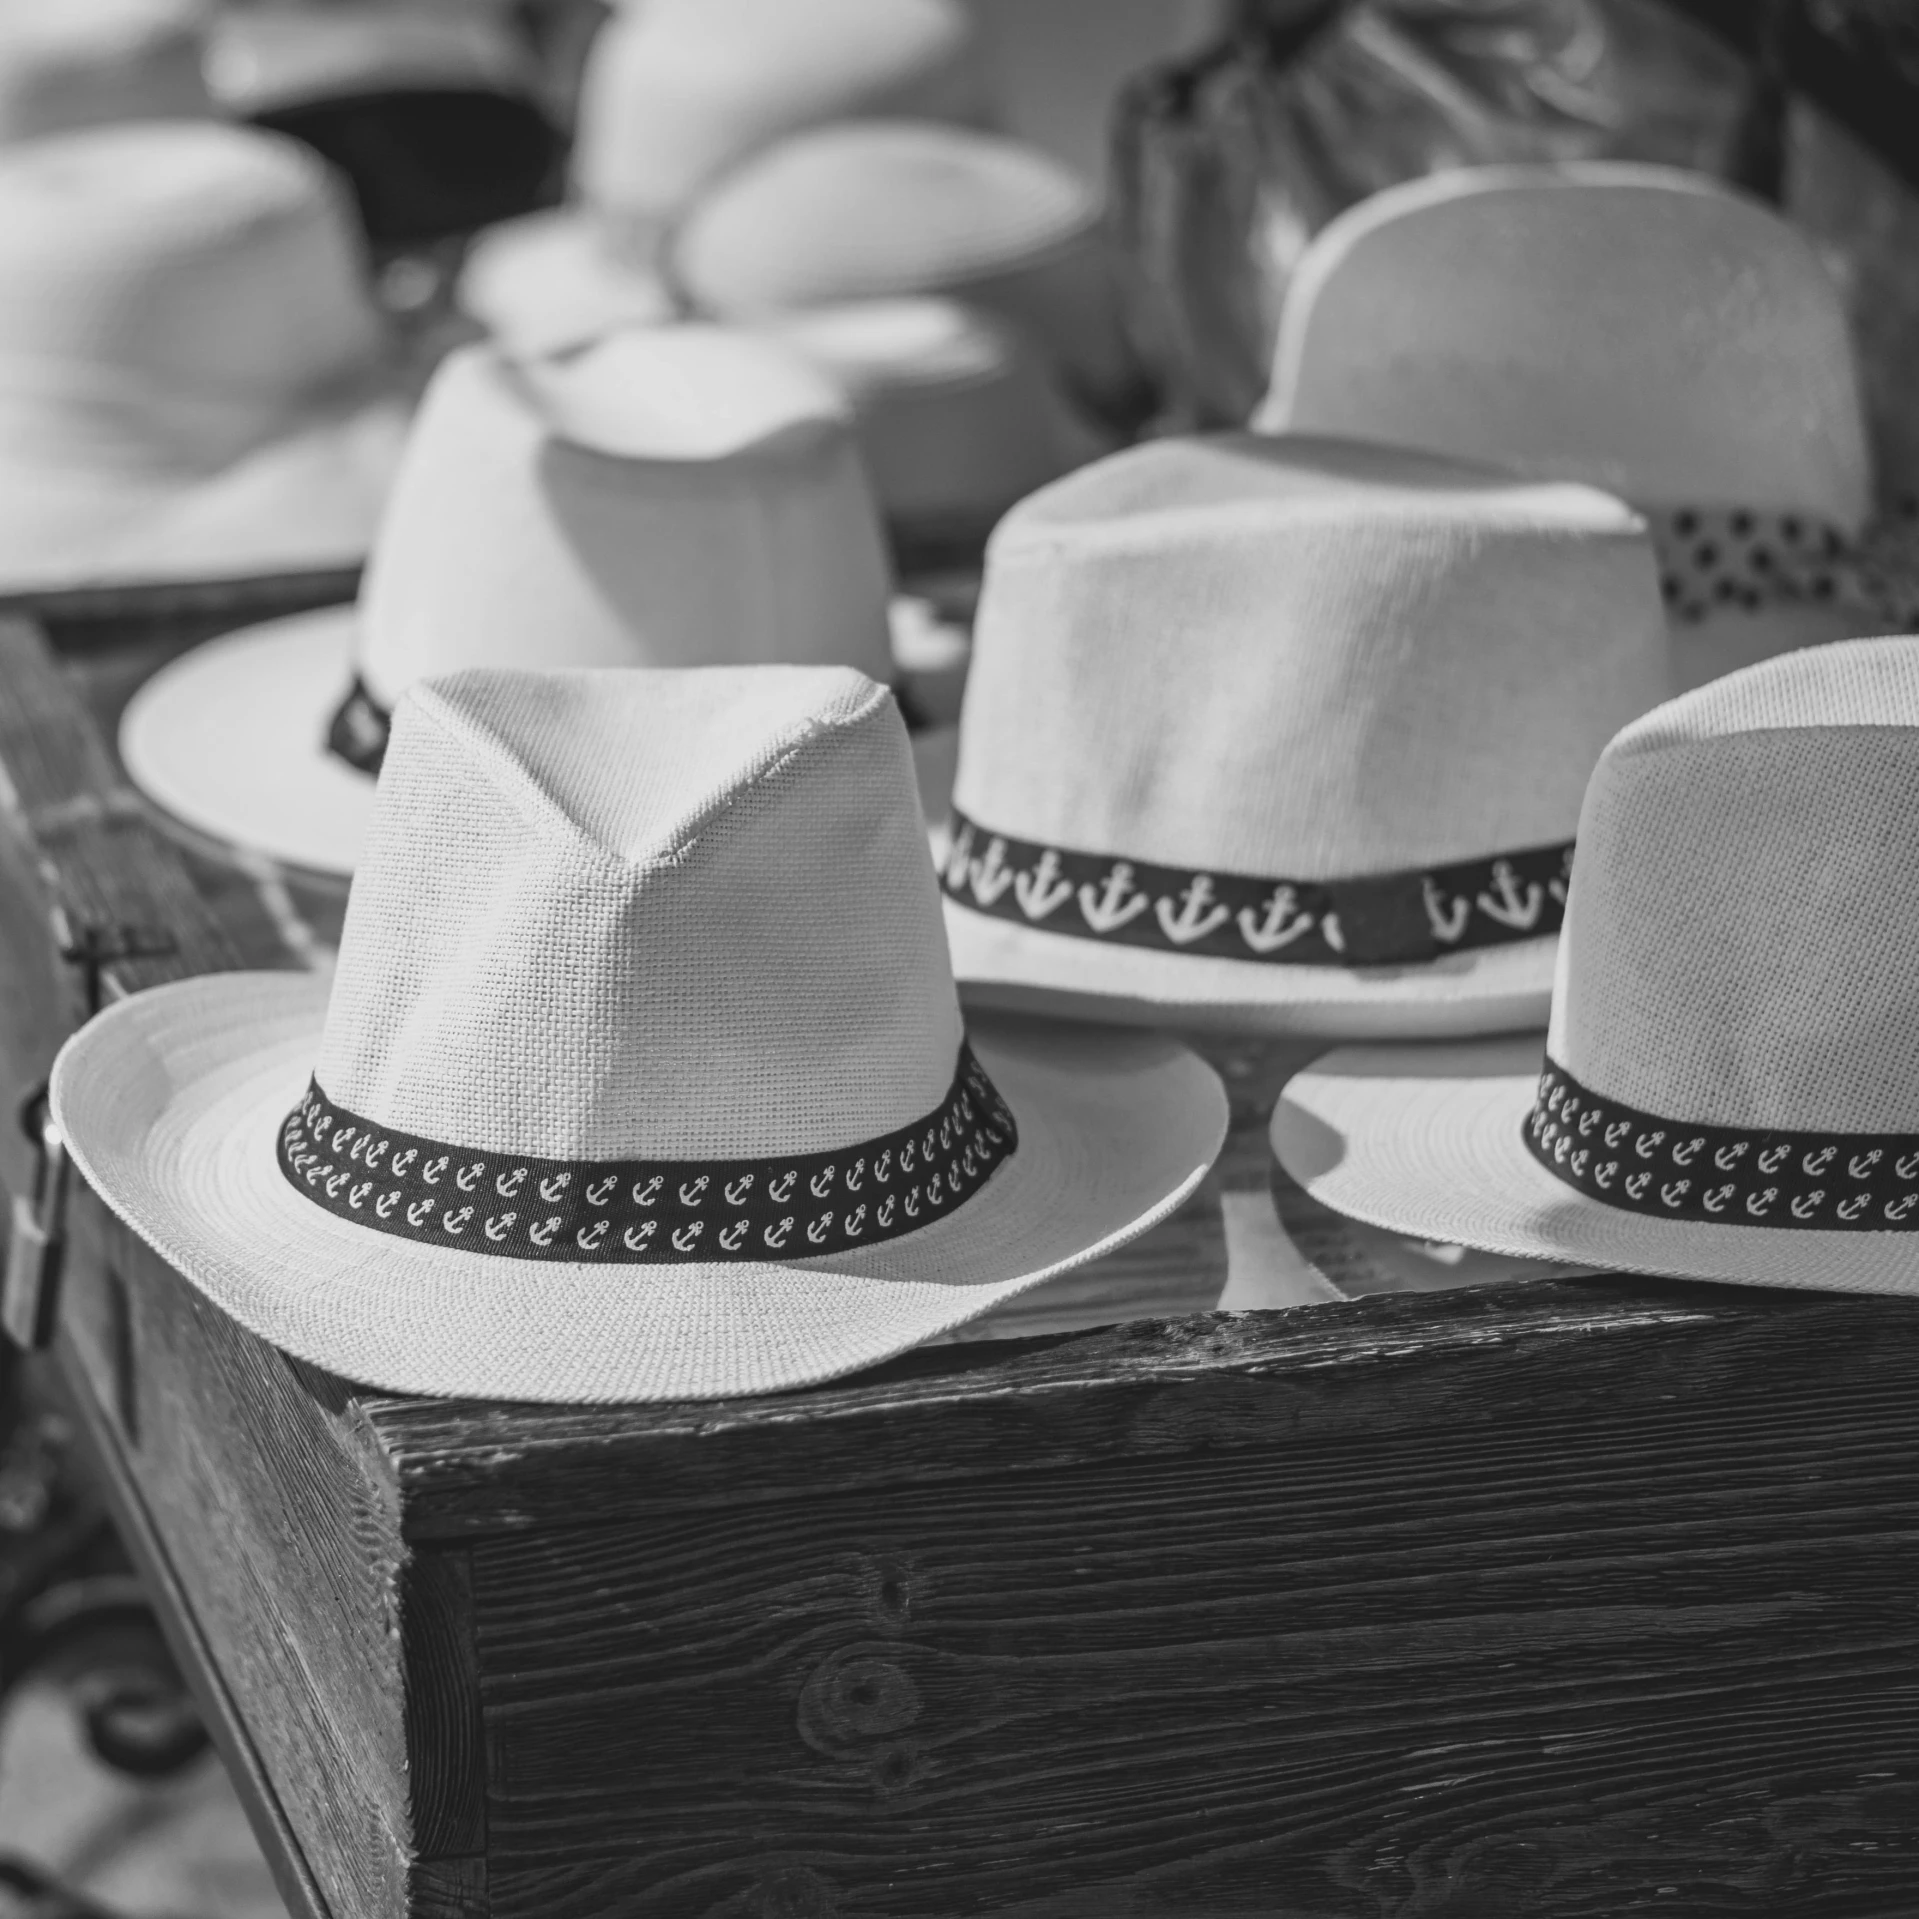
(1568, 1599)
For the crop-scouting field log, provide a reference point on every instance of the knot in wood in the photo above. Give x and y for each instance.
(854, 1698)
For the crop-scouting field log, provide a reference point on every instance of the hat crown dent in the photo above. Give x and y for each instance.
(638, 915)
(92, 62)
(505, 543)
(1709, 363)
(679, 90)
(1738, 946)
(183, 264)
(1303, 659)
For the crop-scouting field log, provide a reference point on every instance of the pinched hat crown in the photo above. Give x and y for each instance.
(1707, 365)
(676, 496)
(1242, 654)
(179, 264)
(620, 916)
(1738, 948)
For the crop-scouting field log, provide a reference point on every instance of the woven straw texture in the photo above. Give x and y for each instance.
(1708, 364)
(1737, 953)
(621, 915)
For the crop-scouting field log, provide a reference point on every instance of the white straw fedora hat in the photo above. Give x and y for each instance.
(957, 416)
(194, 384)
(669, 497)
(878, 209)
(1707, 375)
(641, 1075)
(81, 63)
(676, 92)
(1288, 736)
(1730, 1087)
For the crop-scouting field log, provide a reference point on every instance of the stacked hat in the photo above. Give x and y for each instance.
(674, 94)
(957, 416)
(431, 114)
(641, 1075)
(1707, 375)
(669, 497)
(83, 63)
(1730, 1081)
(195, 386)
(880, 209)
(1288, 736)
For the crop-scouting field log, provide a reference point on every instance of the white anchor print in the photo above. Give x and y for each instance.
(1807, 1203)
(435, 1170)
(1862, 1163)
(776, 1236)
(1588, 1121)
(1758, 1204)
(321, 1128)
(1852, 1208)
(737, 1189)
(403, 1160)
(1645, 1148)
(456, 1222)
(855, 1222)
(912, 1203)
(497, 1229)
(1637, 1183)
(339, 1180)
(468, 1177)
(781, 1189)
(1446, 917)
(551, 1188)
(684, 1238)
(1508, 904)
(418, 1213)
(647, 1194)
(1899, 1208)
(934, 1191)
(357, 1198)
(1279, 925)
(1674, 1193)
(1042, 891)
(384, 1206)
(635, 1237)
(510, 1183)
(1773, 1158)
(1577, 1164)
(342, 1139)
(546, 1232)
(1686, 1154)
(1728, 1157)
(733, 1236)
(1558, 885)
(1716, 1200)
(315, 1174)
(690, 1194)
(597, 1195)
(1906, 1167)
(821, 1184)
(991, 876)
(883, 1167)
(817, 1231)
(1816, 1163)
(588, 1239)
(855, 1176)
(906, 1157)
(1329, 931)
(959, 859)
(375, 1154)
(1561, 1147)
(1108, 907)
(1603, 1176)
(884, 1217)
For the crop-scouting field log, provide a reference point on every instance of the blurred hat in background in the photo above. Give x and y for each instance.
(1635, 327)
(957, 415)
(432, 113)
(677, 496)
(66, 64)
(195, 386)
(882, 209)
(676, 92)
(1288, 736)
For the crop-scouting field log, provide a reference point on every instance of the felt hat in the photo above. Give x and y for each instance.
(957, 416)
(641, 1074)
(1729, 1087)
(195, 386)
(678, 496)
(432, 114)
(879, 209)
(1281, 735)
(1707, 375)
(673, 94)
(82, 63)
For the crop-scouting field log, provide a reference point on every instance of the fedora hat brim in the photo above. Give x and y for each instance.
(1494, 989)
(306, 500)
(230, 740)
(1428, 1141)
(172, 1101)
(547, 282)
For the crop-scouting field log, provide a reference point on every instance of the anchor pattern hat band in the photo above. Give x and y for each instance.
(1289, 735)
(641, 1073)
(1730, 1087)
(1709, 378)
(676, 496)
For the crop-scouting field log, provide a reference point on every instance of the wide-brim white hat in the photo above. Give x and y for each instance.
(231, 741)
